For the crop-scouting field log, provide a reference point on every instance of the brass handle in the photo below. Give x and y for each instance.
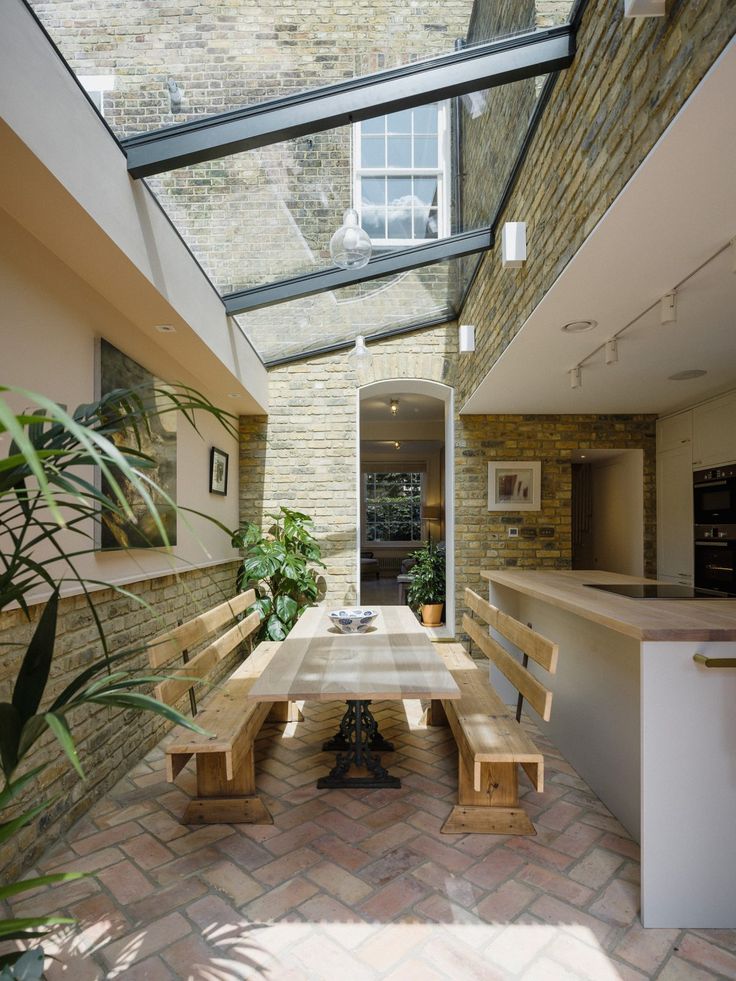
(715, 662)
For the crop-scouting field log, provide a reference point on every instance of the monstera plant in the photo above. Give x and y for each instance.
(49, 504)
(280, 565)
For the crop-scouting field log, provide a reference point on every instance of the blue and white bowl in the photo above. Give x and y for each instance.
(352, 621)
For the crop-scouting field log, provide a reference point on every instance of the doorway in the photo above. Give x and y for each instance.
(404, 486)
(608, 510)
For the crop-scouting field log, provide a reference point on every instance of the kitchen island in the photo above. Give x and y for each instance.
(652, 731)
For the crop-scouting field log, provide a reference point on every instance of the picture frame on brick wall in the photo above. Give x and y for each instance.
(219, 461)
(515, 485)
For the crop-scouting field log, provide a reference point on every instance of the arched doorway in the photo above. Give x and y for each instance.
(422, 423)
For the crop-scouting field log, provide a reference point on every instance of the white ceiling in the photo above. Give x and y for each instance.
(674, 215)
(412, 408)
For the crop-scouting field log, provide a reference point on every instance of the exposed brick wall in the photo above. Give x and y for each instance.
(628, 81)
(109, 740)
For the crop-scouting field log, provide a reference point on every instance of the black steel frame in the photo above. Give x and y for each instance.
(466, 70)
(466, 243)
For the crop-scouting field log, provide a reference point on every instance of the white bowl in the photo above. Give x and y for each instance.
(353, 621)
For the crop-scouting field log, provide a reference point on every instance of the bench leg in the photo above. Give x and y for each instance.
(223, 801)
(492, 810)
(435, 714)
(285, 712)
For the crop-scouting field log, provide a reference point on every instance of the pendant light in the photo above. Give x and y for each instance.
(350, 246)
(360, 358)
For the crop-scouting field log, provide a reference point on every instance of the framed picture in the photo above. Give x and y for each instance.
(515, 485)
(218, 471)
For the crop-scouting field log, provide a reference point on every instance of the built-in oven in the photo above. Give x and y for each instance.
(714, 496)
(714, 505)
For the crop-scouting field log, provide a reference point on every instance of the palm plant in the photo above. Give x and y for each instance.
(279, 564)
(48, 509)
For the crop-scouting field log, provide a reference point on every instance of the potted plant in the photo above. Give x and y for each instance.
(427, 589)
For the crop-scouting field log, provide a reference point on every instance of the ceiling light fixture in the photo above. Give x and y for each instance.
(668, 308)
(644, 8)
(165, 328)
(467, 338)
(360, 358)
(350, 246)
(513, 244)
(394, 407)
(576, 377)
(611, 350)
(579, 326)
(681, 376)
(397, 445)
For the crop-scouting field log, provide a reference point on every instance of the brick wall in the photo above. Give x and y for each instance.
(628, 80)
(110, 741)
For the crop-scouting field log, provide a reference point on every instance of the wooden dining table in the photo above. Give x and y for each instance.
(393, 660)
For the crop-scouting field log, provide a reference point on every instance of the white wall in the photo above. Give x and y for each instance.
(618, 513)
(49, 322)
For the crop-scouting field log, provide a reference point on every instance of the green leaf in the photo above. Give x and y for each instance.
(11, 790)
(10, 727)
(34, 671)
(146, 703)
(286, 608)
(9, 828)
(28, 967)
(43, 880)
(275, 629)
(60, 728)
(11, 927)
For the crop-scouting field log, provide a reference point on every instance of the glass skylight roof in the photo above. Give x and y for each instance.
(415, 176)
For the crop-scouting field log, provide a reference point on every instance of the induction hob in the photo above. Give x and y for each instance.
(655, 591)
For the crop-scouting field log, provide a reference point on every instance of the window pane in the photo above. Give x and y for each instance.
(425, 151)
(425, 224)
(399, 191)
(425, 119)
(399, 151)
(425, 190)
(373, 151)
(399, 122)
(376, 125)
(373, 190)
(393, 504)
(373, 222)
(399, 223)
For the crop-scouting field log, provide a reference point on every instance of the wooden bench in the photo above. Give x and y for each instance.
(491, 741)
(226, 790)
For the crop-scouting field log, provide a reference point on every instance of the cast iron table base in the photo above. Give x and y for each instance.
(357, 744)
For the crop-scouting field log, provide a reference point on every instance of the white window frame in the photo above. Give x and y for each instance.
(441, 172)
(97, 83)
(409, 466)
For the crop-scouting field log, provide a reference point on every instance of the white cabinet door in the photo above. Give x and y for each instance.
(674, 431)
(714, 432)
(675, 514)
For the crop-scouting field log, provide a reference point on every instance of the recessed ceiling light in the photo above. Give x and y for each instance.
(579, 326)
(233, 395)
(681, 376)
(165, 328)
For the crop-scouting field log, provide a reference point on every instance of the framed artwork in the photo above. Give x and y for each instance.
(218, 471)
(515, 485)
(116, 370)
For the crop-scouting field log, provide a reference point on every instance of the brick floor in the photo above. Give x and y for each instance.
(358, 884)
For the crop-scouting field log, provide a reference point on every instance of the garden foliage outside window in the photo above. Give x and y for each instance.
(393, 504)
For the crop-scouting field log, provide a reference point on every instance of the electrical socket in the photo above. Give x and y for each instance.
(512, 532)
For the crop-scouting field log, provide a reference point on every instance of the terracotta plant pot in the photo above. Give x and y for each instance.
(432, 614)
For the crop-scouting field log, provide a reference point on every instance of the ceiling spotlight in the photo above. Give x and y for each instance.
(233, 395)
(612, 351)
(668, 308)
(576, 377)
(579, 326)
(165, 328)
(681, 376)
(397, 445)
(394, 407)
(350, 246)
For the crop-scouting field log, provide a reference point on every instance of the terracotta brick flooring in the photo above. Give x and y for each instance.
(356, 885)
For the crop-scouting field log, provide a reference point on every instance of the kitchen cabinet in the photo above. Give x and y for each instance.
(674, 431)
(675, 515)
(714, 432)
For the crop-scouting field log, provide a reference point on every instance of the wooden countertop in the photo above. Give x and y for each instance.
(659, 619)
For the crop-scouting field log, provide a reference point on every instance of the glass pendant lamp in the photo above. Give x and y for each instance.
(350, 246)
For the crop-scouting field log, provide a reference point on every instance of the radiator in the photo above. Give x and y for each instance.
(389, 565)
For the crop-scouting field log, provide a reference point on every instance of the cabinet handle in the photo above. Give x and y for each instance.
(715, 662)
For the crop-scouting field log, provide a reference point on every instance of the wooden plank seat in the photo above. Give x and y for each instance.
(491, 741)
(226, 790)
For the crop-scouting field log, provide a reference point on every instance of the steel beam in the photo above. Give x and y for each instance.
(467, 70)
(453, 247)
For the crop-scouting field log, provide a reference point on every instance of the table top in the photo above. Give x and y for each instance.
(394, 660)
(643, 619)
